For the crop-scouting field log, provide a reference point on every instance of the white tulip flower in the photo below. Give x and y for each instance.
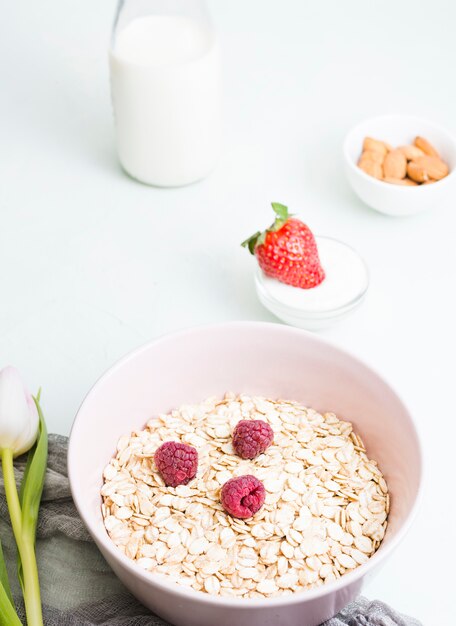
(18, 414)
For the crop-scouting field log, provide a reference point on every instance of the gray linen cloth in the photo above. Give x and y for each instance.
(79, 588)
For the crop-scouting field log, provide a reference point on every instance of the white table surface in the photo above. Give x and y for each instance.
(92, 264)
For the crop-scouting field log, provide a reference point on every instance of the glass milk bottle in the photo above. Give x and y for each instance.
(165, 85)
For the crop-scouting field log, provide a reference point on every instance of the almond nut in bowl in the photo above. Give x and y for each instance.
(412, 171)
(257, 360)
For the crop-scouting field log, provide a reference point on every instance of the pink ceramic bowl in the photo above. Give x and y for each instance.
(255, 358)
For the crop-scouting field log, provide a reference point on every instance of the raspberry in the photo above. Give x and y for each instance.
(242, 497)
(251, 438)
(177, 463)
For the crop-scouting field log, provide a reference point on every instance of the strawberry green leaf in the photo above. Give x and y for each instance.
(252, 242)
(278, 224)
(259, 238)
(282, 217)
(262, 238)
(280, 210)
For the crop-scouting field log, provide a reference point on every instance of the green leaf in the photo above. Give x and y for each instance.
(8, 615)
(280, 210)
(26, 473)
(259, 238)
(282, 216)
(33, 480)
(32, 483)
(262, 238)
(4, 580)
(252, 242)
(31, 452)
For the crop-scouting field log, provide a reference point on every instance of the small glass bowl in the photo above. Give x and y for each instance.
(314, 309)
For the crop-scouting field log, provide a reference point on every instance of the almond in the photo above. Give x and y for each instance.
(411, 152)
(406, 165)
(401, 181)
(371, 155)
(395, 164)
(375, 145)
(371, 167)
(416, 172)
(435, 167)
(426, 147)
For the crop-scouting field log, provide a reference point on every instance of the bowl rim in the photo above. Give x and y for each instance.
(380, 183)
(199, 597)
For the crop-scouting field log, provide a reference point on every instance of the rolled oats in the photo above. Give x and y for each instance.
(325, 511)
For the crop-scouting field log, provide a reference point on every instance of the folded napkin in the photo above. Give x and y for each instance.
(79, 588)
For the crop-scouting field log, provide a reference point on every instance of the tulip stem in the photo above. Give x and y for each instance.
(12, 498)
(25, 547)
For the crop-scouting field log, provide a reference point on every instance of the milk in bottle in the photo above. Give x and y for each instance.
(165, 84)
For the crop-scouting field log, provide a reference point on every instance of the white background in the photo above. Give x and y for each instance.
(92, 264)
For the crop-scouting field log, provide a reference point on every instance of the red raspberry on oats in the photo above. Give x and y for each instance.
(176, 462)
(243, 496)
(251, 438)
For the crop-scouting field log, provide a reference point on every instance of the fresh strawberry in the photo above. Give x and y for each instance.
(287, 251)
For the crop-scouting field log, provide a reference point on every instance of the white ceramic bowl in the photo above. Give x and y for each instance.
(397, 199)
(318, 313)
(256, 358)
